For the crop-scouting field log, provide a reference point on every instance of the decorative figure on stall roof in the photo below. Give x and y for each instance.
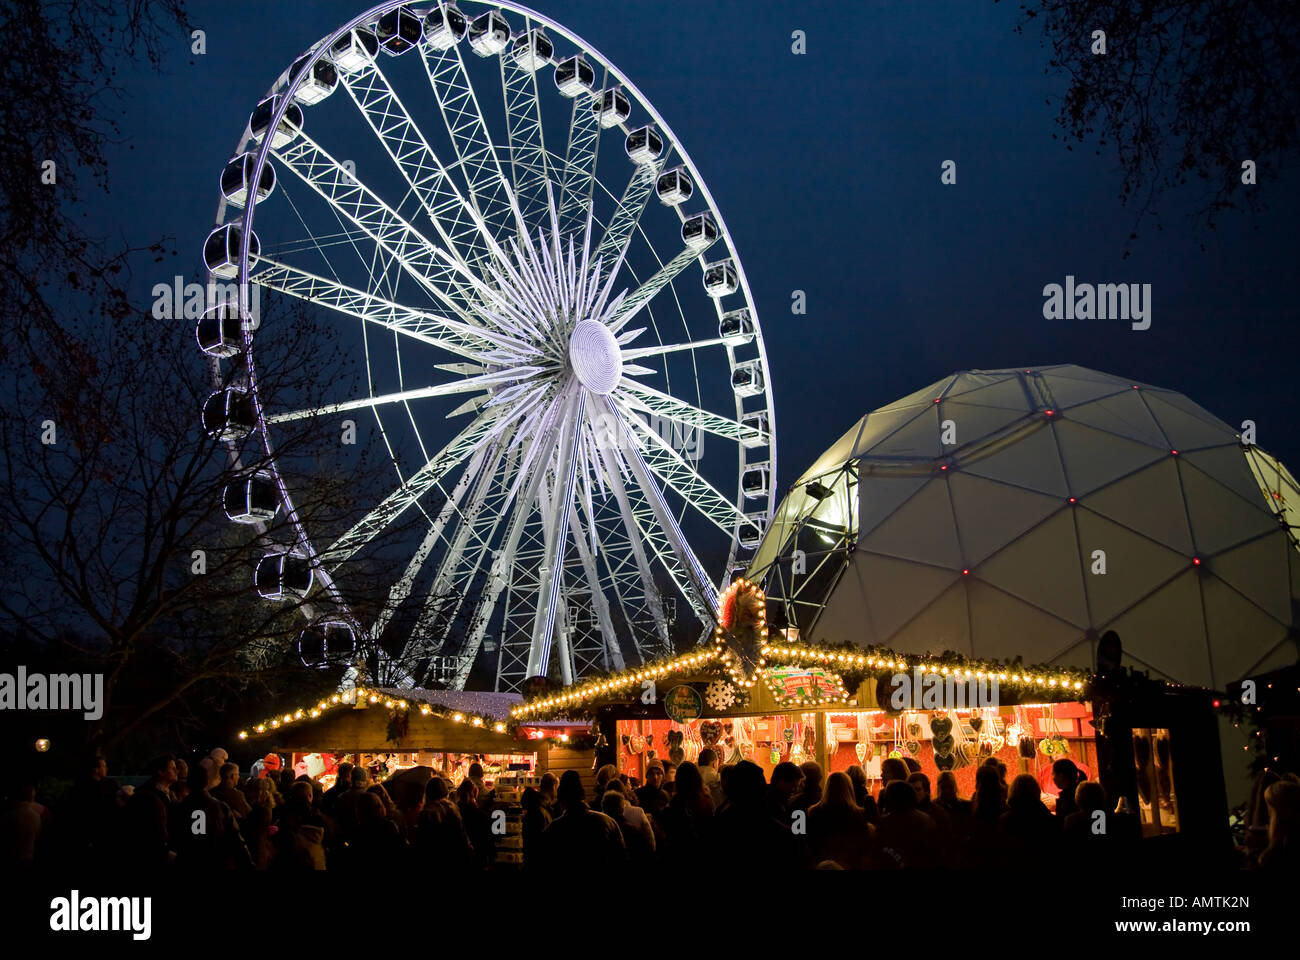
(742, 630)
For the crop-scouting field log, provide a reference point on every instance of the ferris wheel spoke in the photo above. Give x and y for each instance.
(578, 186)
(673, 470)
(469, 550)
(643, 294)
(557, 527)
(638, 396)
(639, 353)
(466, 385)
(458, 222)
(627, 216)
(489, 188)
(402, 588)
(631, 455)
(530, 165)
(638, 521)
(591, 571)
(435, 269)
(415, 486)
(435, 329)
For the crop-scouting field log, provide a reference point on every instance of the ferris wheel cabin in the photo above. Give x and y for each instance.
(355, 51)
(720, 278)
(747, 378)
(489, 34)
(251, 499)
(444, 27)
(399, 31)
(736, 328)
(221, 250)
(755, 420)
(575, 76)
(326, 641)
(283, 575)
(321, 80)
(228, 415)
(674, 187)
(756, 480)
(219, 332)
(288, 130)
(237, 178)
(533, 50)
(611, 108)
(644, 145)
(699, 231)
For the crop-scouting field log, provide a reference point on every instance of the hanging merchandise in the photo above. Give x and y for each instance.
(860, 749)
(941, 739)
(675, 752)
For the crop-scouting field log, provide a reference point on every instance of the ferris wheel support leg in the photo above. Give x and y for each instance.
(552, 574)
(704, 588)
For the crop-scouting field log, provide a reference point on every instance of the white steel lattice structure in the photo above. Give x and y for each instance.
(515, 240)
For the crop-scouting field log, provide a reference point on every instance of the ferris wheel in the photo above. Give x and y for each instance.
(563, 359)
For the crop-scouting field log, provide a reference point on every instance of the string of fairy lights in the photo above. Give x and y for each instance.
(854, 660)
(361, 697)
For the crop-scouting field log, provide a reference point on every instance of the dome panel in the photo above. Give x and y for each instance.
(1246, 634)
(847, 616)
(1150, 502)
(943, 625)
(922, 529)
(897, 590)
(924, 395)
(885, 494)
(839, 453)
(1067, 392)
(1259, 571)
(1124, 414)
(1043, 568)
(1229, 466)
(1006, 392)
(1094, 458)
(1135, 565)
(878, 427)
(1030, 461)
(1000, 623)
(1184, 430)
(991, 515)
(917, 439)
(1220, 518)
(1167, 633)
(972, 424)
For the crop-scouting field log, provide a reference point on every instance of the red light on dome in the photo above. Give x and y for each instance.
(1050, 413)
(944, 467)
(1072, 500)
(1217, 704)
(936, 399)
(1173, 452)
(1196, 561)
(1135, 386)
(966, 572)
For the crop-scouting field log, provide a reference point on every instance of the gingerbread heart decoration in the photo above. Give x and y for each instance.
(710, 732)
(861, 750)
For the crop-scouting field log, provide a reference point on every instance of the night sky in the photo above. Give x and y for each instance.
(827, 169)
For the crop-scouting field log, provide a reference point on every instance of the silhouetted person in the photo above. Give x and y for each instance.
(743, 836)
(1027, 833)
(1067, 777)
(862, 792)
(987, 807)
(145, 818)
(905, 837)
(920, 785)
(581, 839)
(811, 791)
(688, 818)
(786, 778)
(441, 841)
(838, 828)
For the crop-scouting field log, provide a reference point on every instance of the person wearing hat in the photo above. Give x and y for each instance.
(652, 796)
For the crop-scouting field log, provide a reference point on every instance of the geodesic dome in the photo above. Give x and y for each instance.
(1022, 513)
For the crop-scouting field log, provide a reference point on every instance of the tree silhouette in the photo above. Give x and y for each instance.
(1186, 92)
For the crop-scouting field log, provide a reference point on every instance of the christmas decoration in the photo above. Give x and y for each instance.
(719, 695)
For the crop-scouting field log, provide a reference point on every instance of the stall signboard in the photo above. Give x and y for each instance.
(809, 683)
(683, 703)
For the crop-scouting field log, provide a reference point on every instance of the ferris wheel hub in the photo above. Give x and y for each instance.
(595, 357)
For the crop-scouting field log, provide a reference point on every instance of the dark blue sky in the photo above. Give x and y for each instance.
(826, 167)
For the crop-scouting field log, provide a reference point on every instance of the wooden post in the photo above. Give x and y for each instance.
(823, 758)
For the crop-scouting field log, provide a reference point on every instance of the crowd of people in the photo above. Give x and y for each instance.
(206, 816)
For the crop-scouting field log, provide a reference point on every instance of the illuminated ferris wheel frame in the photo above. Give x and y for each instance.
(569, 408)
